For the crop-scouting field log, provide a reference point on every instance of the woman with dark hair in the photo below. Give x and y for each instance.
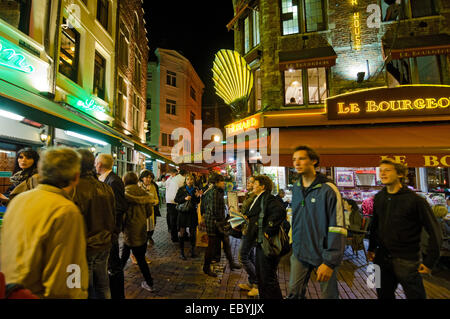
(353, 219)
(135, 226)
(147, 183)
(25, 167)
(189, 219)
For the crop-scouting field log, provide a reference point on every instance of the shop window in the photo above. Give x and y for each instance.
(123, 46)
(102, 12)
(438, 179)
(400, 71)
(171, 107)
(303, 16)
(422, 8)
(428, 69)
(69, 53)
(17, 13)
(305, 86)
(122, 99)
(171, 78)
(99, 76)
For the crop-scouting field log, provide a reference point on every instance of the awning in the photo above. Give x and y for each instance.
(307, 58)
(151, 152)
(364, 146)
(37, 108)
(236, 17)
(417, 46)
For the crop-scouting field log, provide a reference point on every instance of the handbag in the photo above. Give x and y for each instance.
(277, 245)
(184, 207)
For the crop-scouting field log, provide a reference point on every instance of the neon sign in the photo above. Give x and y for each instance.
(356, 27)
(10, 59)
(243, 125)
(89, 105)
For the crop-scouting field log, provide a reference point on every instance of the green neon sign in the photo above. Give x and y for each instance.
(89, 105)
(11, 59)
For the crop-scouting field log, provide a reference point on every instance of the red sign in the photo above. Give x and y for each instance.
(415, 52)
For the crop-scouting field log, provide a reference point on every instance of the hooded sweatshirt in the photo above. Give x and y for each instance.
(139, 209)
(397, 224)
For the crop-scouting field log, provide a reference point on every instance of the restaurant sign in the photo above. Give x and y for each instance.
(252, 122)
(410, 100)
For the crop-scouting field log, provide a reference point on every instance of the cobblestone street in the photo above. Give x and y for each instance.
(178, 279)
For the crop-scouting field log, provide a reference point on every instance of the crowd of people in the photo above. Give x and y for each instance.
(66, 209)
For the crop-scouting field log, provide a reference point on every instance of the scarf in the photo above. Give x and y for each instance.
(190, 190)
(21, 176)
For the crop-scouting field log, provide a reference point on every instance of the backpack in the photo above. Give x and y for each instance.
(14, 291)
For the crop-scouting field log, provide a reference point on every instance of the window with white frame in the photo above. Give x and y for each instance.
(305, 86)
(302, 16)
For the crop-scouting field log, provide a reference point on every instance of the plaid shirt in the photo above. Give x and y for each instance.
(215, 209)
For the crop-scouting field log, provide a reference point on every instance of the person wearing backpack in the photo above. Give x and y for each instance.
(273, 217)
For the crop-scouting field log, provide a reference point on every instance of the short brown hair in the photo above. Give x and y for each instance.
(313, 156)
(130, 178)
(265, 181)
(399, 168)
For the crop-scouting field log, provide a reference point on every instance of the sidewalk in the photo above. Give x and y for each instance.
(178, 279)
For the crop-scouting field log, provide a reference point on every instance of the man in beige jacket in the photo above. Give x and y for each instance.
(43, 240)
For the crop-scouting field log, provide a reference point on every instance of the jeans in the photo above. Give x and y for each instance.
(98, 275)
(266, 272)
(172, 215)
(299, 278)
(247, 259)
(139, 253)
(400, 271)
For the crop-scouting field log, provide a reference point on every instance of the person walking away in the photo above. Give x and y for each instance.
(43, 237)
(246, 249)
(103, 165)
(172, 185)
(96, 203)
(399, 215)
(188, 219)
(318, 229)
(135, 226)
(273, 216)
(24, 174)
(214, 215)
(353, 218)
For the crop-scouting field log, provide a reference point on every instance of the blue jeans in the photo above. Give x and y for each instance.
(98, 275)
(247, 259)
(400, 271)
(299, 278)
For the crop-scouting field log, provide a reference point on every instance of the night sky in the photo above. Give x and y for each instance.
(197, 29)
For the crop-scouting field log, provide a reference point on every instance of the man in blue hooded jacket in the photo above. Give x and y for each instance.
(318, 230)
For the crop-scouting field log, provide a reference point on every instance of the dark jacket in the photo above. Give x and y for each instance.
(182, 193)
(397, 225)
(118, 188)
(318, 225)
(156, 207)
(274, 215)
(96, 202)
(282, 202)
(135, 221)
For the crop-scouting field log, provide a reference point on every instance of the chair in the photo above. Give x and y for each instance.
(356, 240)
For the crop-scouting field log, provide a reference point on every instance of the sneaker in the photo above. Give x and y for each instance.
(133, 259)
(245, 287)
(253, 293)
(147, 287)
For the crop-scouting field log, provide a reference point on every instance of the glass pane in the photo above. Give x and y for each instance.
(313, 86)
(422, 8)
(391, 12)
(258, 90)
(289, 16)
(323, 94)
(293, 87)
(256, 37)
(246, 35)
(314, 16)
(428, 69)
